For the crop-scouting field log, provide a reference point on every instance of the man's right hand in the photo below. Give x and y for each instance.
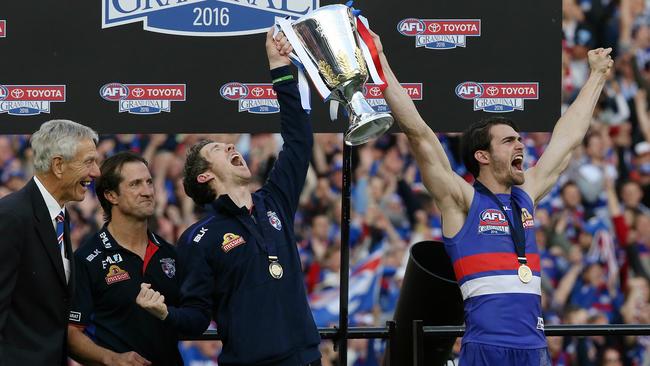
(278, 49)
(127, 359)
(152, 301)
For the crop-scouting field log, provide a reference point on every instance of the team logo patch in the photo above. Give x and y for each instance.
(527, 219)
(168, 266)
(440, 34)
(252, 98)
(202, 17)
(274, 220)
(116, 274)
(29, 100)
(74, 316)
(493, 222)
(375, 97)
(143, 98)
(540, 323)
(3, 28)
(231, 241)
(498, 97)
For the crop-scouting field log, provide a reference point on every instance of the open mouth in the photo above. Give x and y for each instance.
(518, 163)
(85, 183)
(237, 160)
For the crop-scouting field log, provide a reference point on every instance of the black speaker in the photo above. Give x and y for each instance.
(429, 293)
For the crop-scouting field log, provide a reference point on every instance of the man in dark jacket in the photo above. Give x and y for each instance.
(241, 262)
(36, 267)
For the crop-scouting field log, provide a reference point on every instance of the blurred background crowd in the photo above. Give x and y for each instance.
(593, 229)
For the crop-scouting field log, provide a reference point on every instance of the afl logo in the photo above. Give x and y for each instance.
(492, 217)
(234, 91)
(410, 27)
(114, 92)
(3, 92)
(469, 90)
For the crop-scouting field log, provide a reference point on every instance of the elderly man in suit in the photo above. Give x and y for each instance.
(35, 253)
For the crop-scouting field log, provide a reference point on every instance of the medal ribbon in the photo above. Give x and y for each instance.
(264, 240)
(517, 230)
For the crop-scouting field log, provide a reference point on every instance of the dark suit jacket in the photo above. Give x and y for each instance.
(34, 296)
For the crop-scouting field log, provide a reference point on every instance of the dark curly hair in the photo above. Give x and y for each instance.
(195, 164)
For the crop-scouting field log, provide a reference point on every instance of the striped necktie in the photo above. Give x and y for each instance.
(59, 229)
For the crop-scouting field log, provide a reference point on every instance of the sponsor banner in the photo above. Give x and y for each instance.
(440, 34)
(29, 100)
(498, 97)
(258, 98)
(143, 98)
(375, 98)
(203, 17)
(3, 28)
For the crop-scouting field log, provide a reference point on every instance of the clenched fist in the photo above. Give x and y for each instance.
(600, 61)
(278, 49)
(152, 301)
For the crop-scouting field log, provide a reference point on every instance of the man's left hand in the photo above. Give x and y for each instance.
(600, 61)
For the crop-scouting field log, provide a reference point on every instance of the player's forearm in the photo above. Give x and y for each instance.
(424, 143)
(576, 119)
(188, 320)
(401, 105)
(85, 351)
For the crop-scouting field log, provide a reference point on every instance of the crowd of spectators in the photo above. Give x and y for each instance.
(593, 229)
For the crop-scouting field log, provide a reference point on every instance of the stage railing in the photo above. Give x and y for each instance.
(458, 331)
(420, 331)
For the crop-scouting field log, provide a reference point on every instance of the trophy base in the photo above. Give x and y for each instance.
(367, 127)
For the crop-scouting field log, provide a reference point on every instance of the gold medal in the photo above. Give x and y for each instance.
(275, 269)
(524, 273)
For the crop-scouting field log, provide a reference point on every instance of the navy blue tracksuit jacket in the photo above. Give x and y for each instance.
(225, 267)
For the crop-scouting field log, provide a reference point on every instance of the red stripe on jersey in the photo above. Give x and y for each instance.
(492, 262)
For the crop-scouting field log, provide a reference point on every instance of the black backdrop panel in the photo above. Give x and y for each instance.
(58, 61)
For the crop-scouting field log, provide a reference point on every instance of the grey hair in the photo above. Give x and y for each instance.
(58, 137)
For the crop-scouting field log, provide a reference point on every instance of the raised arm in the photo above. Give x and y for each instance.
(289, 171)
(570, 129)
(451, 193)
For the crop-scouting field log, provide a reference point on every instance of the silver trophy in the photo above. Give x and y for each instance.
(329, 36)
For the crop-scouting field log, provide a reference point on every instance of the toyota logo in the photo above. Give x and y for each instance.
(374, 91)
(492, 90)
(257, 91)
(17, 93)
(434, 27)
(137, 92)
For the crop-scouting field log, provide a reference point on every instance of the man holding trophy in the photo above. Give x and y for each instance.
(240, 265)
(498, 270)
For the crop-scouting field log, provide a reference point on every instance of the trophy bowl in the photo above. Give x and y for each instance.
(329, 37)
